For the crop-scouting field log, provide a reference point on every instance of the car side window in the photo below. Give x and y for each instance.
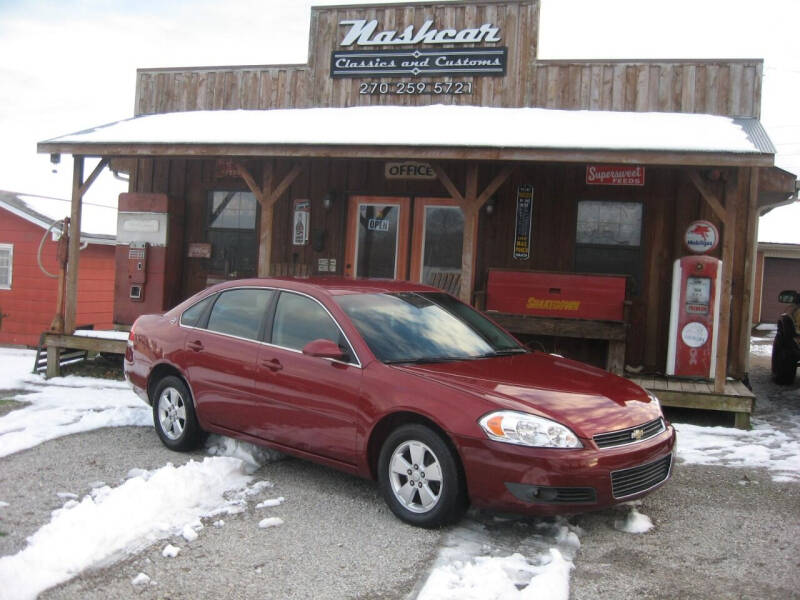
(240, 312)
(193, 315)
(300, 320)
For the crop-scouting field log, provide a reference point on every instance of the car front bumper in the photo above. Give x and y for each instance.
(548, 481)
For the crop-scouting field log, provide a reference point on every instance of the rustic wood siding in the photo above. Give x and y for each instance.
(670, 203)
(731, 87)
(30, 304)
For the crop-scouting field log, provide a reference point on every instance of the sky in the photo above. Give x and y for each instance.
(67, 65)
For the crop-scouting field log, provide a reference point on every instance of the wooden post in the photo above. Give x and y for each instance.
(267, 196)
(750, 262)
(71, 308)
(724, 334)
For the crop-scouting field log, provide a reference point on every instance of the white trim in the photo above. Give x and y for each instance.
(673, 316)
(10, 249)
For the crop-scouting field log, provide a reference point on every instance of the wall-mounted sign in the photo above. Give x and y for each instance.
(362, 33)
(701, 236)
(614, 175)
(447, 61)
(302, 221)
(199, 250)
(408, 170)
(522, 233)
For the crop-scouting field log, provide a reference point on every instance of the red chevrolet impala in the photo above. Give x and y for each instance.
(401, 383)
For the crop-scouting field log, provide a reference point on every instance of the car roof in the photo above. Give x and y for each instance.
(333, 286)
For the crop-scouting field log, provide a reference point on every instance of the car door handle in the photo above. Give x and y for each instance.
(273, 364)
(196, 345)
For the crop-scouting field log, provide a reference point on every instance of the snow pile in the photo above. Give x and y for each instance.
(634, 522)
(470, 566)
(505, 578)
(111, 523)
(66, 405)
(253, 456)
(15, 368)
(763, 446)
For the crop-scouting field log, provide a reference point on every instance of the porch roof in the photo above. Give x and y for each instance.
(433, 132)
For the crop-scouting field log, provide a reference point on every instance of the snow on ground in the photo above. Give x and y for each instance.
(15, 367)
(762, 446)
(110, 523)
(470, 566)
(634, 522)
(65, 405)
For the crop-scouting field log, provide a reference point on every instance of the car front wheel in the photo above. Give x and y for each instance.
(784, 364)
(420, 478)
(174, 417)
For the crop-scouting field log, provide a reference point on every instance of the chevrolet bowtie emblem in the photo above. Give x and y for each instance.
(637, 434)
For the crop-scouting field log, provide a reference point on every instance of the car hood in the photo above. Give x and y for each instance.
(586, 399)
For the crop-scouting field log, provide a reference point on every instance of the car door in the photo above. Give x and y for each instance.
(310, 403)
(221, 353)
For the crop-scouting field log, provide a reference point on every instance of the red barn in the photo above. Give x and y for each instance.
(27, 296)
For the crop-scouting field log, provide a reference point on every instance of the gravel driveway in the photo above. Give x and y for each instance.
(719, 532)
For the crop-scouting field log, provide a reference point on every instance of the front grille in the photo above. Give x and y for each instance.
(628, 482)
(552, 495)
(630, 435)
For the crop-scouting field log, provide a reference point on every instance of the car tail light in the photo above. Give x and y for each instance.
(131, 335)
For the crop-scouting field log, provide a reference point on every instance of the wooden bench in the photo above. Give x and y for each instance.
(450, 282)
(591, 307)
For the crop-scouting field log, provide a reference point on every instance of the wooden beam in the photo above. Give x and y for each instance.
(723, 336)
(428, 153)
(708, 195)
(469, 248)
(751, 252)
(90, 180)
(448, 184)
(287, 180)
(495, 184)
(245, 174)
(265, 223)
(73, 253)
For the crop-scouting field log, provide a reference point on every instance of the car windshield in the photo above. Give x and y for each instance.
(412, 327)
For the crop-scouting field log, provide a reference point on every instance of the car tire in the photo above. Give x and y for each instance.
(174, 417)
(420, 477)
(784, 364)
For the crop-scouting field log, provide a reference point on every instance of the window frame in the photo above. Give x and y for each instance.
(354, 359)
(10, 249)
(265, 332)
(635, 281)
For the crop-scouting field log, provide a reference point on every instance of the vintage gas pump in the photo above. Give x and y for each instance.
(694, 315)
(149, 241)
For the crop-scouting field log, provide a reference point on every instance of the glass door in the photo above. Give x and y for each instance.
(377, 237)
(438, 243)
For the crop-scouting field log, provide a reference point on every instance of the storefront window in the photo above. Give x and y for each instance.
(608, 239)
(232, 234)
(377, 240)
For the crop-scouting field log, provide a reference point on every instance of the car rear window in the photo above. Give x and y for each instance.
(240, 312)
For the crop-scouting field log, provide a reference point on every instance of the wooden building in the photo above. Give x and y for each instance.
(27, 295)
(563, 173)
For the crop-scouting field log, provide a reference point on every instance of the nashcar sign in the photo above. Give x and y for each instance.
(368, 62)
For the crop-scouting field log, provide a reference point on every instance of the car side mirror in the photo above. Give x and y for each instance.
(788, 297)
(324, 349)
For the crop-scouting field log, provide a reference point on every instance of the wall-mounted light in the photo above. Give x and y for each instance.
(55, 158)
(490, 204)
(328, 200)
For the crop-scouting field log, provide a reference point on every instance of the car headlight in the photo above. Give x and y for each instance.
(657, 402)
(528, 430)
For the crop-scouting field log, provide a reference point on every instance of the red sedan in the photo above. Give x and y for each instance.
(401, 383)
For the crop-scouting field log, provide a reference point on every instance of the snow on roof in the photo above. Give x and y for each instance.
(98, 223)
(781, 225)
(439, 126)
